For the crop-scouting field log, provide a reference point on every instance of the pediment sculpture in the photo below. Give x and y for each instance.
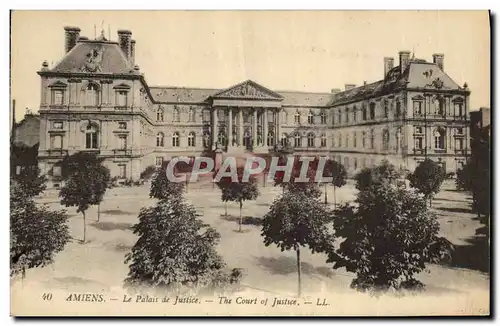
(246, 91)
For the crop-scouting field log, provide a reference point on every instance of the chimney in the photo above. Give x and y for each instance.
(335, 90)
(388, 65)
(71, 35)
(438, 59)
(124, 39)
(132, 52)
(404, 60)
(349, 86)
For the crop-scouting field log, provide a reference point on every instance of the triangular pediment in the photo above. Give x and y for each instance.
(248, 90)
(58, 84)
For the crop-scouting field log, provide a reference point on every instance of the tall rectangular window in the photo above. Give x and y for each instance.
(122, 171)
(58, 97)
(121, 98)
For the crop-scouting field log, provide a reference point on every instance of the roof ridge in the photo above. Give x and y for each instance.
(303, 92)
(183, 87)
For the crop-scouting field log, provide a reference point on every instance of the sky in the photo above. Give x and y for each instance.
(283, 50)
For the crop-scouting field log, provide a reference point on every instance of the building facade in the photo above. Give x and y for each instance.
(96, 99)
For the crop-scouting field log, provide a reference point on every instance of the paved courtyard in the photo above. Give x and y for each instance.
(101, 264)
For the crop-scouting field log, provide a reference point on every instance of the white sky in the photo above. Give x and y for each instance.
(282, 50)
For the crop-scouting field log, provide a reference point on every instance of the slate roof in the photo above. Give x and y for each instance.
(113, 59)
(418, 74)
(200, 95)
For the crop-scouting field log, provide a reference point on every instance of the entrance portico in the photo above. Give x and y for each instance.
(245, 117)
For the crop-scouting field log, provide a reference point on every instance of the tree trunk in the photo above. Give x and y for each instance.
(299, 284)
(225, 207)
(84, 226)
(241, 218)
(430, 201)
(326, 195)
(98, 211)
(334, 197)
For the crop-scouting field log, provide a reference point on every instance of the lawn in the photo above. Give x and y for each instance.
(98, 265)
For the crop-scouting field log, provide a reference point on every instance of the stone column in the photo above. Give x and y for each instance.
(265, 127)
(254, 131)
(240, 131)
(230, 127)
(214, 127)
(278, 130)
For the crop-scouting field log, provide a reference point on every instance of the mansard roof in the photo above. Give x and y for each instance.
(98, 56)
(200, 95)
(418, 75)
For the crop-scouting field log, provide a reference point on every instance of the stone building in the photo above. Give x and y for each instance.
(27, 131)
(97, 99)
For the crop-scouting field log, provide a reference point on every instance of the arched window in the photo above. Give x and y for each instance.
(159, 114)
(92, 97)
(160, 139)
(191, 114)
(91, 137)
(354, 114)
(346, 140)
(439, 138)
(176, 115)
(372, 111)
(323, 117)
(206, 139)
(191, 139)
(385, 139)
(365, 113)
(284, 139)
(339, 116)
(310, 118)
(386, 108)
(339, 143)
(297, 140)
(372, 139)
(439, 106)
(297, 118)
(354, 139)
(363, 139)
(310, 139)
(323, 140)
(333, 141)
(175, 139)
(347, 115)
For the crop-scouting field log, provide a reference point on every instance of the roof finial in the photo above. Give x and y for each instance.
(413, 55)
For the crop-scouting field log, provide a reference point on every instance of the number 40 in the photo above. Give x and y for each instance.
(47, 296)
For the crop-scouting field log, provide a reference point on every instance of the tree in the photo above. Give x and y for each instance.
(390, 235)
(86, 183)
(175, 249)
(164, 188)
(297, 220)
(338, 173)
(36, 233)
(380, 175)
(225, 193)
(239, 191)
(30, 181)
(475, 176)
(310, 187)
(427, 178)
